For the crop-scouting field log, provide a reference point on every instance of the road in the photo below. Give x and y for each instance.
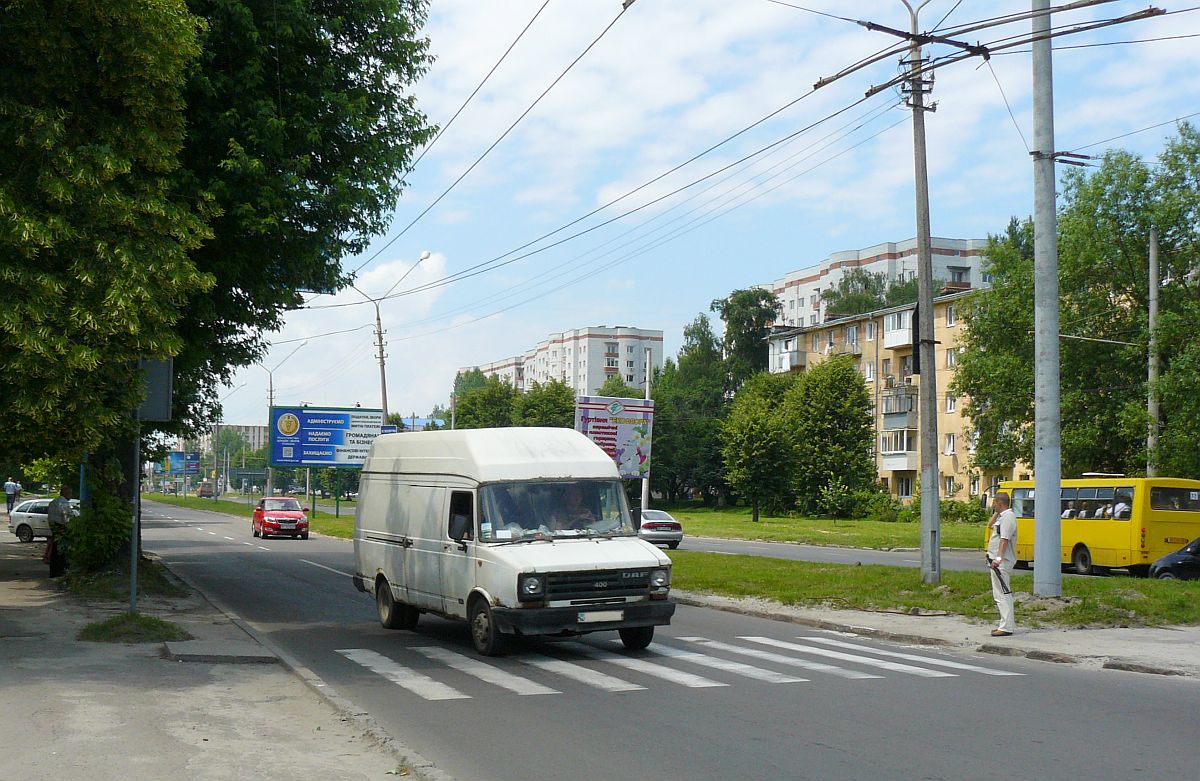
(718, 695)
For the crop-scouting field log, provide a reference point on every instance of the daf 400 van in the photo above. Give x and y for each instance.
(518, 531)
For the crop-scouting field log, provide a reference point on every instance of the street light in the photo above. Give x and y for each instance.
(271, 403)
(379, 330)
(216, 430)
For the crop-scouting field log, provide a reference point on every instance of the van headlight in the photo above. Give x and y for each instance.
(531, 587)
(660, 581)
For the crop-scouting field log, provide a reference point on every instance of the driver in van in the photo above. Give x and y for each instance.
(572, 514)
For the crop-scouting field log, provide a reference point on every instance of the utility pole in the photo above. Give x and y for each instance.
(382, 373)
(1152, 374)
(1047, 454)
(646, 479)
(931, 554)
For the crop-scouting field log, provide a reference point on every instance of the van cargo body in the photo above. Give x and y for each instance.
(519, 531)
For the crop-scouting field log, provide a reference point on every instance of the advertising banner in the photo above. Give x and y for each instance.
(622, 428)
(180, 462)
(328, 437)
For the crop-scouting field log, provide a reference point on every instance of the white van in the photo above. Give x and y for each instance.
(520, 531)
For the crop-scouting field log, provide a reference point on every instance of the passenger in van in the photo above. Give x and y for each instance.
(572, 514)
(1088, 511)
(1121, 509)
(1070, 512)
(1105, 511)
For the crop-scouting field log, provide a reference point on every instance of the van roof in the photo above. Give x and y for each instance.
(491, 454)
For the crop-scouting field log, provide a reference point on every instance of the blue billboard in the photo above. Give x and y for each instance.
(325, 437)
(180, 462)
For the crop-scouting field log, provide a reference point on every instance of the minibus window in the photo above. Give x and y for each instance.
(1178, 499)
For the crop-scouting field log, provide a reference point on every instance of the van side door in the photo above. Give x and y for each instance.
(458, 573)
(425, 510)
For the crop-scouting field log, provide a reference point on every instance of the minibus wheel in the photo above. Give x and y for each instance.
(488, 640)
(1081, 559)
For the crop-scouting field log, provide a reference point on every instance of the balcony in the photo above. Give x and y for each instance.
(789, 361)
(901, 337)
(897, 420)
(898, 462)
(848, 348)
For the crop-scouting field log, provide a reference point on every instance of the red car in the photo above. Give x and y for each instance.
(279, 515)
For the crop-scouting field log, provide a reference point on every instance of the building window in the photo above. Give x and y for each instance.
(906, 365)
(949, 447)
(611, 363)
(886, 367)
(869, 371)
(870, 331)
(951, 315)
(791, 304)
(951, 403)
(950, 486)
(629, 364)
(629, 349)
(902, 440)
(628, 378)
(812, 301)
(959, 274)
(951, 358)
(852, 334)
(904, 487)
(829, 338)
(812, 319)
(974, 485)
(816, 343)
(987, 278)
(899, 403)
(896, 321)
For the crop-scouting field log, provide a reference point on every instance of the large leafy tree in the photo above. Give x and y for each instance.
(552, 404)
(1104, 227)
(465, 382)
(858, 291)
(615, 386)
(95, 238)
(748, 315)
(300, 126)
(488, 407)
(757, 444)
(828, 412)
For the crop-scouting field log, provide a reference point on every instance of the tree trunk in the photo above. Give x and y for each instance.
(754, 510)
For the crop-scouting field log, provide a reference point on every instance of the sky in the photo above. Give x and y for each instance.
(667, 81)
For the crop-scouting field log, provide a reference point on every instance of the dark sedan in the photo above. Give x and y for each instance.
(1183, 564)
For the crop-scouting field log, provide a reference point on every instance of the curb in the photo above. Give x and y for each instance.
(418, 765)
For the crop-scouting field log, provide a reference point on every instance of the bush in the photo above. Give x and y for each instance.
(951, 511)
(882, 507)
(835, 499)
(94, 538)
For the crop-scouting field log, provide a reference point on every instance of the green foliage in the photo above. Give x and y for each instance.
(880, 506)
(552, 404)
(829, 412)
(957, 511)
(94, 238)
(756, 444)
(133, 628)
(748, 315)
(94, 538)
(488, 407)
(465, 382)
(616, 387)
(858, 291)
(1104, 228)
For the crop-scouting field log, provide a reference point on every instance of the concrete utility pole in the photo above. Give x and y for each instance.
(646, 479)
(1152, 374)
(931, 554)
(1047, 454)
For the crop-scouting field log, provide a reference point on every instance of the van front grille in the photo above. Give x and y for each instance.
(597, 584)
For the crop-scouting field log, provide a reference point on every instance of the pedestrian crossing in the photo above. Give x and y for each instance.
(603, 665)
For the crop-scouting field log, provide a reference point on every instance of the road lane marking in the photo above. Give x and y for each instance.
(231, 539)
(213, 534)
(331, 569)
(893, 666)
(484, 672)
(262, 548)
(415, 682)
(911, 657)
(728, 665)
(248, 543)
(579, 674)
(199, 528)
(649, 668)
(768, 656)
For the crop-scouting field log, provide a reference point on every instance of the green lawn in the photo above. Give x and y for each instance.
(1093, 602)
(735, 523)
(322, 522)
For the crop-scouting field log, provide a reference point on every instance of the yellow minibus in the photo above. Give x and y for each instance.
(1113, 521)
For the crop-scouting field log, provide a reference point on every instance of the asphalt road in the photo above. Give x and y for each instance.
(719, 695)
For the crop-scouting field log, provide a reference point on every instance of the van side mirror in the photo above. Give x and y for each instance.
(460, 527)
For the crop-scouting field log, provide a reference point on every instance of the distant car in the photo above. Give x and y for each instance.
(1183, 564)
(31, 518)
(659, 528)
(276, 515)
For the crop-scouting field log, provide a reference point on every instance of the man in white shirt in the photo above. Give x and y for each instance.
(10, 493)
(1002, 557)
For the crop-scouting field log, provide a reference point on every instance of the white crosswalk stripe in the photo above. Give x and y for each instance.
(484, 672)
(768, 656)
(580, 674)
(728, 665)
(910, 657)
(649, 668)
(907, 669)
(415, 682)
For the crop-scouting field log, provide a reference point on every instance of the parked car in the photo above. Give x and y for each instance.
(659, 528)
(31, 518)
(275, 515)
(1183, 564)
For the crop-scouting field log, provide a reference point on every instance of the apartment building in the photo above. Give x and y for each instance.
(958, 262)
(255, 437)
(882, 347)
(583, 358)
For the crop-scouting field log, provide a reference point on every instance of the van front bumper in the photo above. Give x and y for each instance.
(573, 620)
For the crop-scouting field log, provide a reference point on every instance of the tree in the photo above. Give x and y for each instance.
(488, 407)
(829, 412)
(300, 126)
(1104, 230)
(95, 239)
(396, 419)
(757, 445)
(465, 382)
(858, 291)
(552, 404)
(748, 315)
(616, 387)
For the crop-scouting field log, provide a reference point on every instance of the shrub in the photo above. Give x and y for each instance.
(94, 538)
(964, 512)
(882, 506)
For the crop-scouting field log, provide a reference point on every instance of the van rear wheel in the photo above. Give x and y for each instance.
(392, 614)
(636, 638)
(488, 640)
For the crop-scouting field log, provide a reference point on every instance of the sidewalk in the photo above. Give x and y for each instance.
(110, 712)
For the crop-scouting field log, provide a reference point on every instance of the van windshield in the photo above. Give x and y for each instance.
(553, 509)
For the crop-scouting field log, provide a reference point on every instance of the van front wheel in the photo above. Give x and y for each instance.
(488, 640)
(636, 638)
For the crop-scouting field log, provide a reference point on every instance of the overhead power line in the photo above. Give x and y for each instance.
(495, 143)
(814, 11)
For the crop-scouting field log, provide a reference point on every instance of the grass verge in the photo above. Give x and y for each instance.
(113, 584)
(322, 522)
(226, 506)
(133, 628)
(735, 523)
(1087, 602)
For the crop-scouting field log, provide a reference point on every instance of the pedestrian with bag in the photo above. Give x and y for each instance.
(1001, 559)
(59, 515)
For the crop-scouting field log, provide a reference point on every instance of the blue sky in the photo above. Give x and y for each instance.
(670, 79)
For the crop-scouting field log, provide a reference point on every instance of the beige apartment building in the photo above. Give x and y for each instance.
(882, 346)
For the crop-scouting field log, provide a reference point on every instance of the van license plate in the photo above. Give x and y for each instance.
(597, 616)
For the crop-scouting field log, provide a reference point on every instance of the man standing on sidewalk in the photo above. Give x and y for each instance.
(10, 493)
(1002, 557)
(59, 515)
